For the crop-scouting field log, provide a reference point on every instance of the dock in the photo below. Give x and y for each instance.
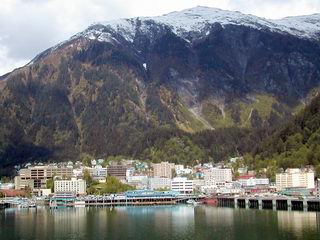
(130, 198)
(272, 203)
(4, 205)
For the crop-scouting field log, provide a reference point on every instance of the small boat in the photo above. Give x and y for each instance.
(192, 202)
(32, 205)
(23, 205)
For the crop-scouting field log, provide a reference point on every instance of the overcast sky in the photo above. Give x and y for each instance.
(27, 27)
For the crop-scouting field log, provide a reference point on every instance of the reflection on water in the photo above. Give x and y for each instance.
(161, 222)
(298, 222)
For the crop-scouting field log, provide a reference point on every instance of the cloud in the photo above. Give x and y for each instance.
(28, 27)
(276, 8)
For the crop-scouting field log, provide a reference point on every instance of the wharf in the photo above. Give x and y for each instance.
(274, 203)
(133, 198)
(3, 205)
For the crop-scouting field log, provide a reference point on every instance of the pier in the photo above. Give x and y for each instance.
(130, 198)
(276, 203)
(3, 205)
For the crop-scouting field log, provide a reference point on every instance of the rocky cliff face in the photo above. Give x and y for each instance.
(197, 69)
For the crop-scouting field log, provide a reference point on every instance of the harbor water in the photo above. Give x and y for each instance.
(157, 222)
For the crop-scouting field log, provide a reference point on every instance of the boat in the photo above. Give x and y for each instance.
(210, 201)
(192, 202)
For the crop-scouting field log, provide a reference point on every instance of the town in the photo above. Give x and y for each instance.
(69, 183)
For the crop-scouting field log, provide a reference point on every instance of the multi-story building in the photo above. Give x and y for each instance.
(76, 186)
(250, 182)
(117, 171)
(138, 181)
(163, 169)
(36, 177)
(98, 172)
(182, 185)
(157, 183)
(295, 178)
(218, 174)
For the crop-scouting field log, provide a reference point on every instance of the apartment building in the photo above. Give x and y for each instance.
(76, 186)
(163, 169)
(295, 178)
(218, 174)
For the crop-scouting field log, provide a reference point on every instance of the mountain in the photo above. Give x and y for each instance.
(296, 144)
(105, 89)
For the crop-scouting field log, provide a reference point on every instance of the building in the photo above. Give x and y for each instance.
(218, 174)
(198, 184)
(76, 186)
(117, 171)
(36, 177)
(157, 183)
(163, 169)
(98, 172)
(250, 182)
(318, 188)
(295, 178)
(6, 186)
(182, 185)
(138, 181)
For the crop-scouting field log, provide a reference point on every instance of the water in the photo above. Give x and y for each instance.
(163, 222)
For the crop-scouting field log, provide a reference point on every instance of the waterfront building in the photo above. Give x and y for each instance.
(117, 171)
(36, 177)
(218, 174)
(6, 186)
(163, 169)
(251, 182)
(76, 186)
(295, 178)
(157, 183)
(182, 185)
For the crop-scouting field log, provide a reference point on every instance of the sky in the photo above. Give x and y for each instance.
(28, 27)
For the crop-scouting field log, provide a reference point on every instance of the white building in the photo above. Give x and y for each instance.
(6, 186)
(222, 188)
(251, 182)
(157, 183)
(98, 172)
(218, 174)
(295, 178)
(77, 186)
(182, 185)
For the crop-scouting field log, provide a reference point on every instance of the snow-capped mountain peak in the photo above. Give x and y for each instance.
(199, 20)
